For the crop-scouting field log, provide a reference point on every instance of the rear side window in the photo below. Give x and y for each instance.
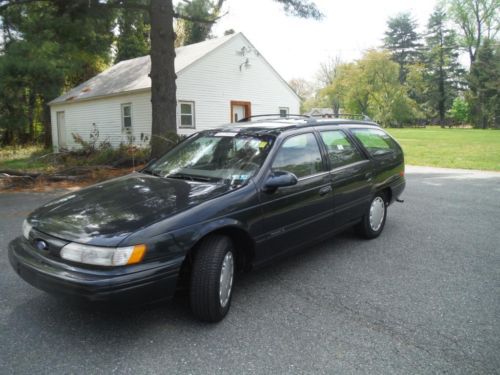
(340, 150)
(376, 142)
(299, 155)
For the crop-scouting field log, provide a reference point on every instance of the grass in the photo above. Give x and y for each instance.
(25, 158)
(450, 148)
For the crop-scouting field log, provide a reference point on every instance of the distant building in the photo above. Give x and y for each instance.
(218, 81)
(320, 112)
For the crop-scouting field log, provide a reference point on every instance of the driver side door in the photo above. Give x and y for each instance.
(295, 215)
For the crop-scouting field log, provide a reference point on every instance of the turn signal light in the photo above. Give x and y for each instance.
(137, 254)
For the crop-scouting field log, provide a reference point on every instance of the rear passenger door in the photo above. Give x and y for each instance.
(351, 176)
(301, 213)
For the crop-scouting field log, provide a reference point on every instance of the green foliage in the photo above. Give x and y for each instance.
(443, 72)
(133, 34)
(402, 40)
(477, 19)
(371, 86)
(417, 85)
(328, 72)
(460, 110)
(48, 47)
(301, 8)
(189, 32)
(484, 82)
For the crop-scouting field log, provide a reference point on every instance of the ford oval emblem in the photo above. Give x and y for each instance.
(41, 245)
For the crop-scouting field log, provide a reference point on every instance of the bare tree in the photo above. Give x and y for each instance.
(327, 72)
(303, 88)
(477, 19)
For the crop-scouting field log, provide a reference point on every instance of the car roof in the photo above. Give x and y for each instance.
(278, 126)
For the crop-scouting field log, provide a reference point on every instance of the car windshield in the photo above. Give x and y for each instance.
(222, 157)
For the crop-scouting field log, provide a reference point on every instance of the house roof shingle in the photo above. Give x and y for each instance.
(133, 74)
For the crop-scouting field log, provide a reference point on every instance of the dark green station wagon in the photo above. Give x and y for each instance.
(223, 200)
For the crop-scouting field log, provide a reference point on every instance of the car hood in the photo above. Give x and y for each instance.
(106, 213)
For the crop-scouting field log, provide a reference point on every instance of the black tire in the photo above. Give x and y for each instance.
(206, 271)
(364, 228)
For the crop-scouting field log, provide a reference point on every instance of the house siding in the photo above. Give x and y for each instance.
(211, 83)
(215, 80)
(105, 113)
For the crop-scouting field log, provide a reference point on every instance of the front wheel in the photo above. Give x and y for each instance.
(212, 278)
(373, 220)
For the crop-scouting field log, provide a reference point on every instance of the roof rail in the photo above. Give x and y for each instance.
(276, 115)
(348, 116)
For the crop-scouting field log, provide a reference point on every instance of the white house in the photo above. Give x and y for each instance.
(218, 81)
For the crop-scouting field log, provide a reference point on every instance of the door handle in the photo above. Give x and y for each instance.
(325, 190)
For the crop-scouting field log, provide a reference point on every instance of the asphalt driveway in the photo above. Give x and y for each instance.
(422, 298)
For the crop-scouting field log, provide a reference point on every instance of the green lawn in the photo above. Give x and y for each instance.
(24, 158)
(450, 148)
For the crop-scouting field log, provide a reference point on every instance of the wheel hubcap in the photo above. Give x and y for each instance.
(226, 279)
(377, 212)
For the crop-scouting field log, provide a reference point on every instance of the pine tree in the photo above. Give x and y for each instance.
(48, 47)
(189, 32)
(443, 70)
(402, 40)
(484, 83)
(133, 35)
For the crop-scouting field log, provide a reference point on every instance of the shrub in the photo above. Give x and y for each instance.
(94, 152)
(460, 110)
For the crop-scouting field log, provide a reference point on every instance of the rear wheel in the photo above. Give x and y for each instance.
(212, 278)
(373, 220)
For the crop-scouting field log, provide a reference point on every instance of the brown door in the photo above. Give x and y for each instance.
(240, 110)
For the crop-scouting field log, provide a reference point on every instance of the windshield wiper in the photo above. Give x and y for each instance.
(190, 177)
(152, 172)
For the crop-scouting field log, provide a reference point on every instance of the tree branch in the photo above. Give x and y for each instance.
(196, 19)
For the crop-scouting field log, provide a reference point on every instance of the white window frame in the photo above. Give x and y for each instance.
(287, 109)
(193, 115)
(126, 129)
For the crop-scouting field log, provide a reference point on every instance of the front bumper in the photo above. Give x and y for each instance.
(152, 280)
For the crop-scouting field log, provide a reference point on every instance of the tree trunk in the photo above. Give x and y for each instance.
(31, 116)
(163, 88)
(47, 128)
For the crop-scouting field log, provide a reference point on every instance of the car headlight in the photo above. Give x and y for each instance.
(26, 229)
(103, 256)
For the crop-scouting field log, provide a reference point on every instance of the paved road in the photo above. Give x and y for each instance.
(422, 298)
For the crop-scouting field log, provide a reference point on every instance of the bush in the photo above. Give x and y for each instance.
(94, 152)
(460, 111)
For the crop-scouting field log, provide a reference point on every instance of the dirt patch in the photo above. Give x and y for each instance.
(70, 179)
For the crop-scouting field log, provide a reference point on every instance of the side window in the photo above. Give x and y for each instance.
(300, 155)
(186, 114)
(376, 142)
(127, 118)
(340, 150)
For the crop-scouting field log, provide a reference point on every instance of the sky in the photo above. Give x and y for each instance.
(296, 47)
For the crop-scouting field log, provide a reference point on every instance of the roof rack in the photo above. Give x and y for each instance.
(274, 116)
(349, 116)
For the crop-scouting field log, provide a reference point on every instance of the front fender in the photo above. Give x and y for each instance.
(221, 224)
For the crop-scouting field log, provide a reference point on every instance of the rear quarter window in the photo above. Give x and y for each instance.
(340, 150)
(377, 142)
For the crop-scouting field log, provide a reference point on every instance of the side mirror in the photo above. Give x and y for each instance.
(280, 179)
